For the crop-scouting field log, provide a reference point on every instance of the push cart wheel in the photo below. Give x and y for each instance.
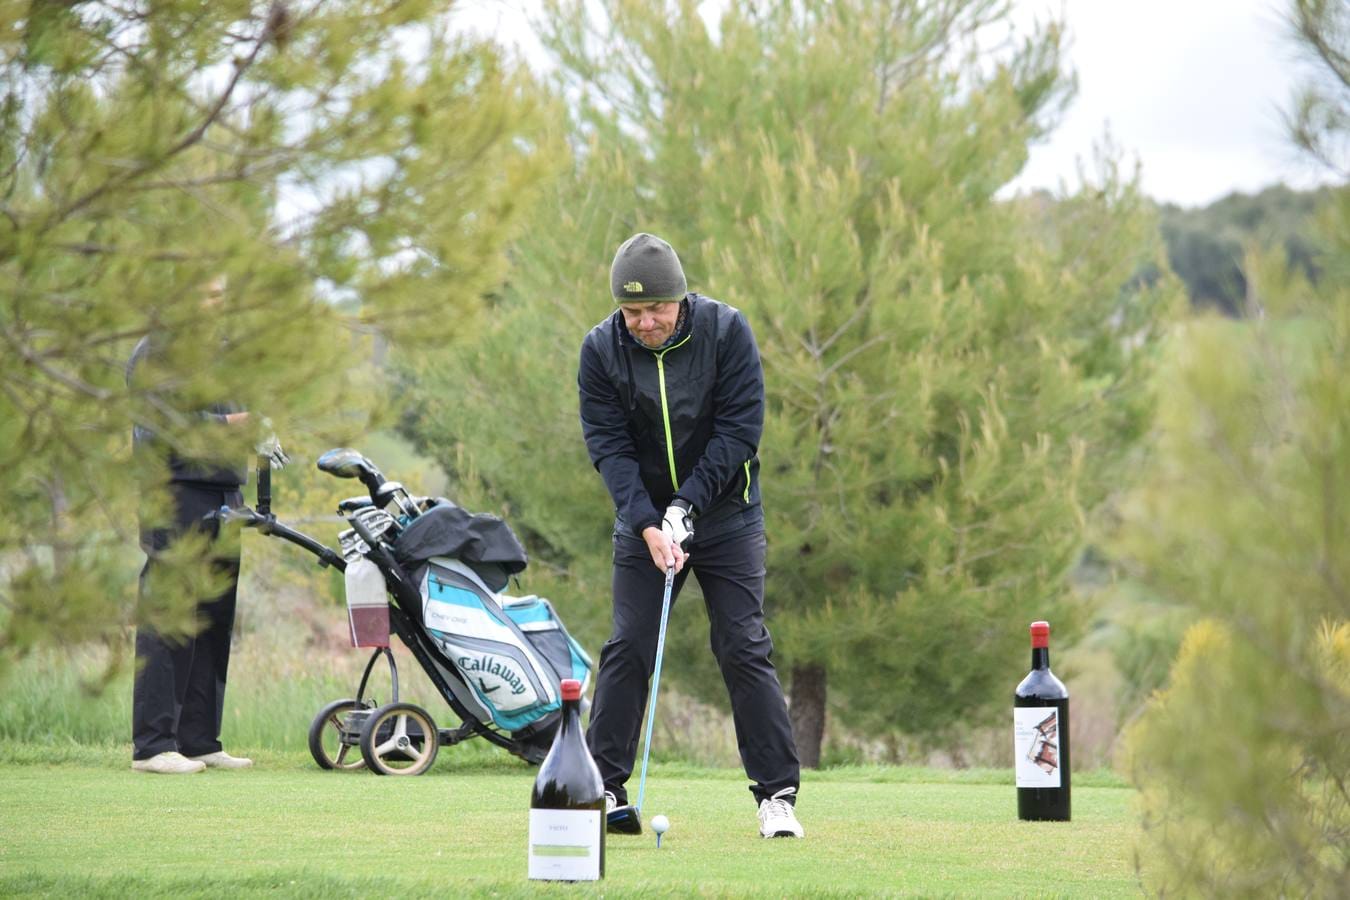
(335, 735)
(399, 739)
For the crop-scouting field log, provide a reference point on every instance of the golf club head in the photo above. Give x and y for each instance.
(624, 820)
(343, 462)
(385, 493)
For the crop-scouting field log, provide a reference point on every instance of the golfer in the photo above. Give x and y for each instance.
(672, 407)
(179, 694)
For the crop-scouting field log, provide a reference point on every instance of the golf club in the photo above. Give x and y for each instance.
(628, 819)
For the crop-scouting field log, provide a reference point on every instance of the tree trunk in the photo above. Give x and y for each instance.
(807, 711)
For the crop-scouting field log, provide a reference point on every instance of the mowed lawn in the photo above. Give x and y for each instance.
(90, 826)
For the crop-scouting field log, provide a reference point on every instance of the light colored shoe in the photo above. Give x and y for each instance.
(222, 760)
(167, 763)
(777, 818)
(610, 802)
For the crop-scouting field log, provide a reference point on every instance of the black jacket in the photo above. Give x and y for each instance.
(712, 410)
(144, 438)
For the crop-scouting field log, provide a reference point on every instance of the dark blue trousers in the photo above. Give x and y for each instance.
(731, 573)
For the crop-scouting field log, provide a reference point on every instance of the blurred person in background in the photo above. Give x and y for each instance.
(179, 694)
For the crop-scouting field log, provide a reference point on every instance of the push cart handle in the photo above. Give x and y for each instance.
(264, 504)
(268, 525)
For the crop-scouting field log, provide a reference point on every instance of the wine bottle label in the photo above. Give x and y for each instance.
(565, 844)
(1036, 746)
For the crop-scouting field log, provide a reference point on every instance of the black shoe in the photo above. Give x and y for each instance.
(621, 819)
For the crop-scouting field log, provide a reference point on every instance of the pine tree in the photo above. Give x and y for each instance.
(1242, 759)
(951, 378)
(338, 170)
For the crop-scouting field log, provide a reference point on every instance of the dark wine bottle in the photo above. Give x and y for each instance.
(567, 807)
(1041, 736)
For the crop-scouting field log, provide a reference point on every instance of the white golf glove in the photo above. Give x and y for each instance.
(270, 447)
(678, 524)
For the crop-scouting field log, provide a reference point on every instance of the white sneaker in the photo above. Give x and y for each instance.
(610, 802)
(777, 818)
(167, 763)
(222, 760)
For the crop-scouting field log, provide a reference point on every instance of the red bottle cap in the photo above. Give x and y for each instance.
(571, 689)
(1040, 635)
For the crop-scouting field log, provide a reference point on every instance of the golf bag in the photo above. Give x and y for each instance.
(509, 654)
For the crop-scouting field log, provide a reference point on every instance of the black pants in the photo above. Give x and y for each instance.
(731, 574)
(179, 697)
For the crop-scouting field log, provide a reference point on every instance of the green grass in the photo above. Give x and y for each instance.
(90, 826)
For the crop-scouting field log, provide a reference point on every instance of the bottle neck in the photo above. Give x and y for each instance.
(1040, 657)
(571, 718)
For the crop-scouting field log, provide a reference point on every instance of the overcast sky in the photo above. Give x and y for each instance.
(1191, 89)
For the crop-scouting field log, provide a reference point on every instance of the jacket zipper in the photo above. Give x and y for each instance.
(665, 408)
(747, 481)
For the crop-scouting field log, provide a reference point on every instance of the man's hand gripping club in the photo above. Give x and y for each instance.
(669, 544)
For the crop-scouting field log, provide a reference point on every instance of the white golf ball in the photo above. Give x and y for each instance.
(660, 824)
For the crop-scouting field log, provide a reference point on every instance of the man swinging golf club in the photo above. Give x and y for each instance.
(672, 407)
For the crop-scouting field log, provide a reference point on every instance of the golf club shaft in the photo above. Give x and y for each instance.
(656, 682)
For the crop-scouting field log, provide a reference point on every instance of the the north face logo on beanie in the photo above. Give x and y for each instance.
(646, 268)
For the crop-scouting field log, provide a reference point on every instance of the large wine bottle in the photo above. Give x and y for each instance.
(567, 808)
(1041, 736)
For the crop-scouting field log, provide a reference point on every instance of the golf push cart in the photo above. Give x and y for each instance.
(431, 572)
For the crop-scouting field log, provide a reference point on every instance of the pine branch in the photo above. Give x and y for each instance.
(188, 140)
(73, 383)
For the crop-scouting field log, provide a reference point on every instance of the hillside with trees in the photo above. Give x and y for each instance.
(1206, 246)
